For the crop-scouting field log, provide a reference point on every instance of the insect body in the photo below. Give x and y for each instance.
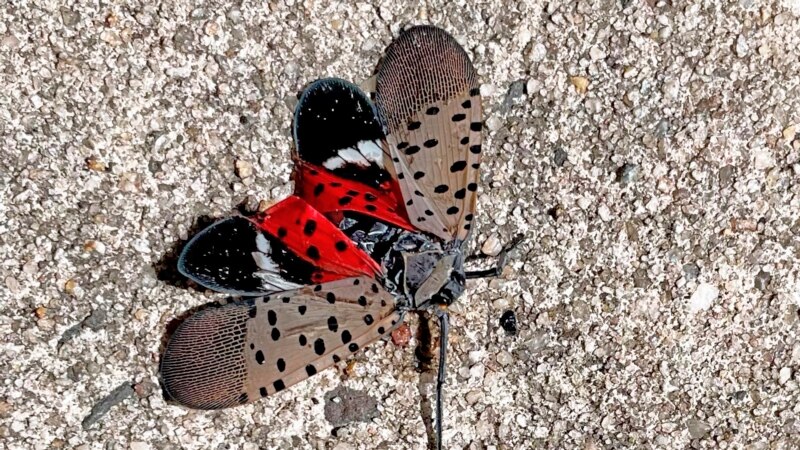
(384, 201)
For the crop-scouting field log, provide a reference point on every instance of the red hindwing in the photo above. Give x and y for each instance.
(313, 238)
(328, 193)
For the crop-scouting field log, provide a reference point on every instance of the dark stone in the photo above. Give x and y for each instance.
(509, 322)
(344, 406)
(102, 407)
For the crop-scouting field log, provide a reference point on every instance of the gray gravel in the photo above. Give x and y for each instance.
(648, 150)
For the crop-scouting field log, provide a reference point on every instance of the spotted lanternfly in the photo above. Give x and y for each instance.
(384, 202)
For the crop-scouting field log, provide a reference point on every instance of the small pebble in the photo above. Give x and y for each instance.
(401, 335)
(492, 246)
(344, 406)
(533, 86)
(725, 176)
(94, 163)
(581, 84)
(703, 297)
(243, 168)
(515, 91)
(102, 407)
(538, 52)
(763, 160)
(500, 303)
(69, 17)
(741, 46)
(140, 314)
(697, 428)
(12, 285)
(477, 371)
(10, 42)
(789, 133)
(504, 358)
(494, 123)
(183, 38)
(94, 246)
(559, 157)
(70, 285)
(604, 213)
(691, 271)
(627, 174)
(762, 280)
(474, 396)
(784, 375)
(596, 53)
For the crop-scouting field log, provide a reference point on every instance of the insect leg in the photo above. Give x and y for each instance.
(501, 259)
(444, 327)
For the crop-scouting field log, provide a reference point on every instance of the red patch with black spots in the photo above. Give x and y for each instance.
(330, 194)
(307, 233)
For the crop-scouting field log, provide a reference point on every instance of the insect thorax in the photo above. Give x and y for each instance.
(419, 270)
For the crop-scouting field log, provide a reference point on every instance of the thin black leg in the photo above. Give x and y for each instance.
(444, 328)
(493, 272)
(501, 261)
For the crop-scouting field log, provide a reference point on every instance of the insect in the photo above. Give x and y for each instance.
(384, 202)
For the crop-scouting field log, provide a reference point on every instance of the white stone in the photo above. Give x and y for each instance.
(500, 303)
(492, 246)
(763, 159)
(487, 90)
(784, 375)
(596, 53)
(477, 371)
(741, 46)
(533, 86)
(538, 52)
(139, 445)
(504, 358)
(494, 123)
(671, 89)
(604, 213)
(703, 297)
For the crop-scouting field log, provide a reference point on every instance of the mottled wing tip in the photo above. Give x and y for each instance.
(220, 257)
(327, 107)
(203, 366)
(424, 65)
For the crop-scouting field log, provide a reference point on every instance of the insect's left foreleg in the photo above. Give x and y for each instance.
(502, 258)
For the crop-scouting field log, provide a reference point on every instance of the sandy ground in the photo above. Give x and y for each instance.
(649, 150)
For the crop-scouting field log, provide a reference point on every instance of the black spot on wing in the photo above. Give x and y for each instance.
(458, 166)
(319, 346)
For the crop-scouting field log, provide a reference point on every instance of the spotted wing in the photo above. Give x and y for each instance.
(427, 94)
(335, 127)
(237, 353)
(340, 154)
(288, 246)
